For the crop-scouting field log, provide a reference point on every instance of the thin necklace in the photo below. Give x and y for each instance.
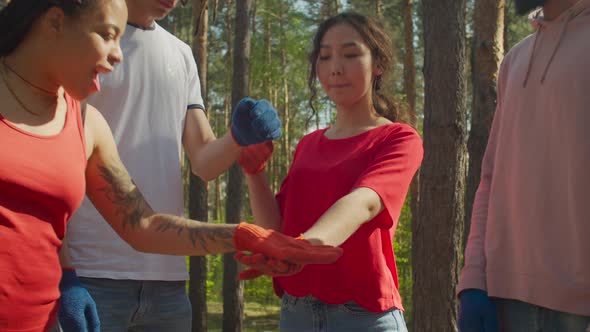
(25, 80)
(20, 102)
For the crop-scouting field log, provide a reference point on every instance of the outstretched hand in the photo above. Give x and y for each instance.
(260, 265)
(254, 122)
(273, 244)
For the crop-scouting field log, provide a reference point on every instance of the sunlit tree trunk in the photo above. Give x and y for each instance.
(198, 208)
(286, 148)
(437, 235)
(272, 163)
(378, 8)
(233, 289)
(488, 50)
(410, 91)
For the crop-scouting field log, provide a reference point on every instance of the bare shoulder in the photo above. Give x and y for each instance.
(96, 130)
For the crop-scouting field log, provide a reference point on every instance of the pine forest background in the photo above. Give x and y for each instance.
(448, 55)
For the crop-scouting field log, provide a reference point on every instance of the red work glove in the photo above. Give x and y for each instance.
(249, 237)
(253, 157)
(261, 265)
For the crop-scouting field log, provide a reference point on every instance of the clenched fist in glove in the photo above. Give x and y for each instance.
(254, 122)
(77, 310)
(273, 244)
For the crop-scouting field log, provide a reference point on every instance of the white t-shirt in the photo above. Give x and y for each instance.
(144, 100)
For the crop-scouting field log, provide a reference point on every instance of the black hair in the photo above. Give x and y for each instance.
(523, 7)
(381, 49)
(17, 18)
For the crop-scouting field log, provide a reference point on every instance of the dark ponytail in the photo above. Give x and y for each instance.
(387, 106)
(17, 18)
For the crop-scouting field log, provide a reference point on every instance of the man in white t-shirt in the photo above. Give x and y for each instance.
(153, 104)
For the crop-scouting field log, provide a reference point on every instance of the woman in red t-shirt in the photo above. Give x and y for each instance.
(51, 52)
(346, 187)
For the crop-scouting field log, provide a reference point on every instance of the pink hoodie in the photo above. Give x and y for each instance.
(530, 228)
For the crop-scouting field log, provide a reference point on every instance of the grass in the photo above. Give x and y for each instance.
(258, 318)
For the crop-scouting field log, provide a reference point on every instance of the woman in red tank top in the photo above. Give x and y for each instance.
(51, 53)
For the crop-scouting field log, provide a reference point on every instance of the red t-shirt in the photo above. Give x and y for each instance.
(42, 183)
(383, 159)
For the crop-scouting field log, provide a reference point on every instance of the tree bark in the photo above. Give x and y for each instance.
(410, 92)
(233, 289)
(198, 208)
(488, 50)
(286, 139)
(437, 235)
(328, 8)
(379, 8)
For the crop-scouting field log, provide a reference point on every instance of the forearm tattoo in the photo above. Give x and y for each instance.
(200, 235)
(132, 207)
(124, 194)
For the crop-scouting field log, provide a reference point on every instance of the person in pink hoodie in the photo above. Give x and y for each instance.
(527, 261)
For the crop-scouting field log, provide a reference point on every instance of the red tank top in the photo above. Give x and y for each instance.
(42, 183)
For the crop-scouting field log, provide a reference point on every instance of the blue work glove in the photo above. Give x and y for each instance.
(77, 310)
(254, 122)
(477, 312)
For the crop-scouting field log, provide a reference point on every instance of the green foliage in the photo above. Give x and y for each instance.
(180, 22)
(402, 247)
(258, 318)
(517, 27)
(214, 277)
(260, 291)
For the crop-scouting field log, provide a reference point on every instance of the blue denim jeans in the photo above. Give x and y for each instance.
(517, 316)
(308, 314)
(146, 306)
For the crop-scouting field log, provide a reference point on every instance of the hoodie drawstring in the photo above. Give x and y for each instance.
(531, 58)
(532, 55)
(563, 30)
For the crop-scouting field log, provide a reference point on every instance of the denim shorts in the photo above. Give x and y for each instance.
(146, 306)
(517, 316)
(308, 314)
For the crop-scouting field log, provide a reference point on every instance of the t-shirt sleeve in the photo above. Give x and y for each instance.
(195, 98)
(395, 161)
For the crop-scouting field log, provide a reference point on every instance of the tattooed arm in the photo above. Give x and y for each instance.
(117, 198)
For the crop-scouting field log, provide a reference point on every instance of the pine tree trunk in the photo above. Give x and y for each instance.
(214, 215)
(286, 149)
(410, 92)
(437, 236)
(233, 290)
(328, 8)
(378, 8)
(488, 50)
(198, 208)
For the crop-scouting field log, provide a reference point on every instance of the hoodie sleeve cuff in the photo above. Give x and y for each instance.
(472, 278)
